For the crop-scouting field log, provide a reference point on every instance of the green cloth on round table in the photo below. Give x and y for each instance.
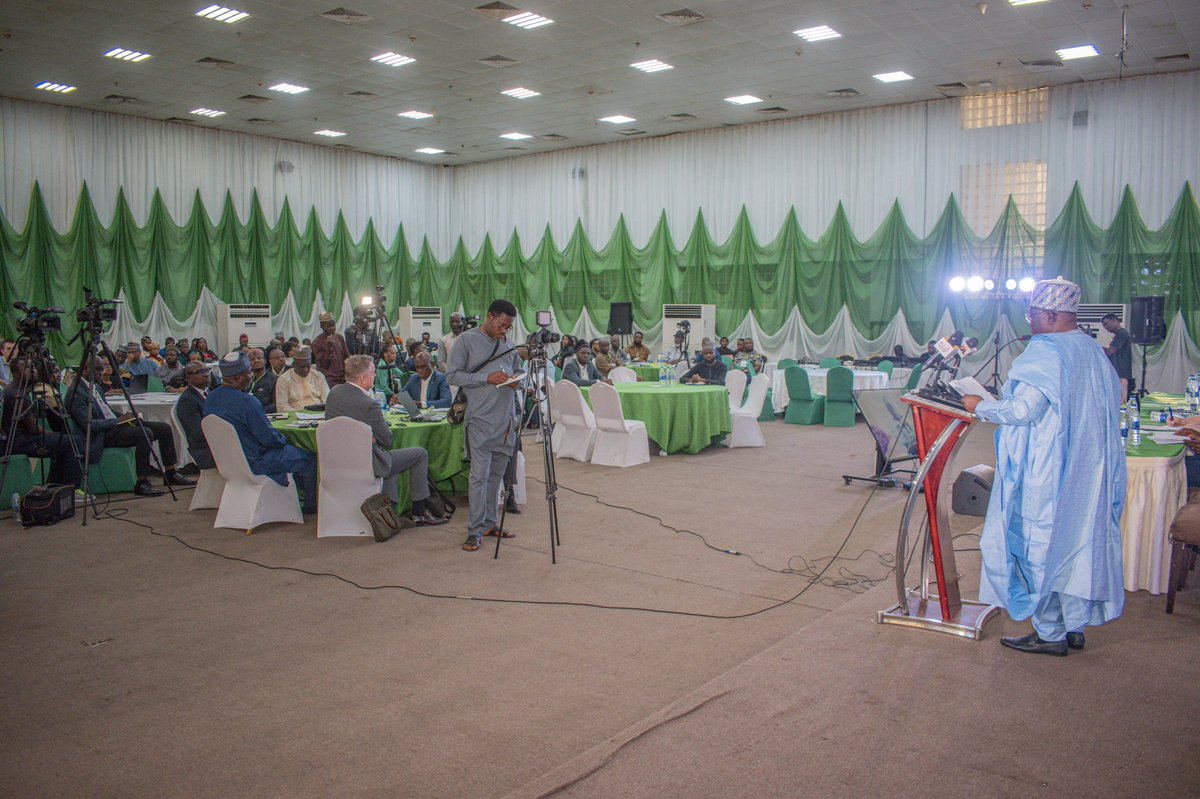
(444, 443)
(1152, 449)
(679, 418)
(647, 374)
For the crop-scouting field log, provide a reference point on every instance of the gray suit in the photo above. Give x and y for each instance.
(351, 401)
(572, 371)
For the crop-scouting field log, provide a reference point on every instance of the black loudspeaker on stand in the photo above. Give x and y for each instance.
(1146, 327)
(620, 318)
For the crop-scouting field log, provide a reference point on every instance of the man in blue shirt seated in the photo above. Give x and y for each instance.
(709, 372)
(136, 362)
(580, 370)
(266, 450)
(427, 385)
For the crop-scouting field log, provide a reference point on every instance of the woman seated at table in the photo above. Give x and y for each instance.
(427, 385)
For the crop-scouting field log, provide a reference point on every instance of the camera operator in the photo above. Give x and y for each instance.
(26, 438)
(6, 351)
(480, 361)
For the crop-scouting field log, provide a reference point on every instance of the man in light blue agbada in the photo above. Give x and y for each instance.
(1051, 541)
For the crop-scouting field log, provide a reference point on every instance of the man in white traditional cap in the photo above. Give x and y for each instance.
(329, 352)
(1051, 542)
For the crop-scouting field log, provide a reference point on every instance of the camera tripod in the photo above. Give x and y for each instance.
(95, 349)
(536, 377)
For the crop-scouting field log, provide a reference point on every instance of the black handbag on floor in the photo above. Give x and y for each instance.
(48, 504)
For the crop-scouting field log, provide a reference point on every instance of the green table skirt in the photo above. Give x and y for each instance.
(678, 418)
(445, 444)
(646, 374)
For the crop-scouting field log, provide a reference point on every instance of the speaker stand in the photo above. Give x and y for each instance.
(1141, 389)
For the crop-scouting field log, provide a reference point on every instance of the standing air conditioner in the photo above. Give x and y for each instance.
(1089, 316)
(250, 318)
(703, 319)
(416, 320)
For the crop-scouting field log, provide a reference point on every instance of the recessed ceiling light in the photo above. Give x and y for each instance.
(892, 77)
(1026, 2)
(127, 55)
(521, 93)
(333, 134)
(430, 151)
(60, 88)
(515, 136)
(743, 99)
(653, 65)
(528, 20)
(414, 114)
(1084, 51)
(208, 112)
(820, 33)
(222, 14)
(288, 88)
(392, 59)
(618, 119)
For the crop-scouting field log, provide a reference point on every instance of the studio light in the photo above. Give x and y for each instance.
(368, 299)
(1010, 284)
(958, 283)
(989, 284)
(1027, 284)
(974, 284)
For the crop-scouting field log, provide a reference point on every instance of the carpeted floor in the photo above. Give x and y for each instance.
(136, 664)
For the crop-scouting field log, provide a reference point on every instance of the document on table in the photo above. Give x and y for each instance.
(969, 385)
(1163, 437)
(311, 417)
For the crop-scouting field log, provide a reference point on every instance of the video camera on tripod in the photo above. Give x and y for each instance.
(96, 312)
(469, 322)
(682, 331)
(539, 338)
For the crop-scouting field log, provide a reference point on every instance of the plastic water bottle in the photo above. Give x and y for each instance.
(1124, 424)
(381, 398)
(1136, 425)
(1194, 393)
(16, 506)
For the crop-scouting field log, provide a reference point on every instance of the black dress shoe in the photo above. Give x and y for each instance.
(177, 479)
(1075, 640)
(144, 489)
(427, 519)
(1036, 646)
(511, 507)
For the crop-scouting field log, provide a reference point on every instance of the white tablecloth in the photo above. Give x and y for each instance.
(157, 407)
(863, 378)
(1157, 489)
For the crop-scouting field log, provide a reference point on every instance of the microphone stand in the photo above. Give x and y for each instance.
(994, 362)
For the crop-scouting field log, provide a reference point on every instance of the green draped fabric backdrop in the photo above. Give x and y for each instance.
(260, 260)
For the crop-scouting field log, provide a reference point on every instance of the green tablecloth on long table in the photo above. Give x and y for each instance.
(444, 442)
(679, 418)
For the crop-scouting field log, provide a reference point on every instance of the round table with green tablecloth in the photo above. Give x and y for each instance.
(678, 417)
(444, 443)
(648, 373)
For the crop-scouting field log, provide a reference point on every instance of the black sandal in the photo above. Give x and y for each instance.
(472, 543)
(493, 532)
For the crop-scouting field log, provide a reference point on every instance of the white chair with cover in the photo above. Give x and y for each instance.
(735, 384)
(347, 477)
(574, 425)
(211, 484)
(249, 499)
(746, 432)
(618, 442)
(681, 369)
(622, 374)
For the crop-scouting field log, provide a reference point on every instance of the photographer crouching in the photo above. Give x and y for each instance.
(481, 361)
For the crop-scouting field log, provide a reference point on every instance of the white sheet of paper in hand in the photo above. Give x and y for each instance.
(518, 377)
(969, 385)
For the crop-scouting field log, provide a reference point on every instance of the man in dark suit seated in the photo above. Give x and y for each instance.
(353, 400)
(427, 385)
(262, 380)
(580, 370)
(190, 410)
(112, 430)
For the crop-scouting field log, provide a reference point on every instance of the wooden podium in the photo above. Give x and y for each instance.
(940, 429)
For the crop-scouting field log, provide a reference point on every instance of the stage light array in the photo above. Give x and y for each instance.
(989, 286)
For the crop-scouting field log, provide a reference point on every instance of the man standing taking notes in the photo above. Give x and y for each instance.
(1119, 352)
(1051, 542)
(481, 361)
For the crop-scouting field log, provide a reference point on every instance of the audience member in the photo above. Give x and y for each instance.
(153, 353)
(289, 350)
(277, 362)
(170, 369)
(6, 349)
(329, 351)
(566, 349)
(747, 355)
(456, 330)
(390, 376)
(704, 342)
(200, 348)
(353, 400)
(112, 430)
(414, 348)
(190, 410)
(929, 352)
(136, 364)
(605, 360)
(580, 370)
(637, 351)
(262, 380)
(710, 371)
(724, 349)
(266, 451)
(427, 385)
(21, 435)
(300, 386)
(614, 346)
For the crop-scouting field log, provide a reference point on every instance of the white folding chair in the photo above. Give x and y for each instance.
(574, 425)
(210, 486)
(622, 374)
(735, 384)
(681, 369)
(249, 499)
(746, 432)
(347, 477)
(618, 442)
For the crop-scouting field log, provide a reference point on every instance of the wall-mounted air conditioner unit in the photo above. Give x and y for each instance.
(1090, 314)
(415, 320)
(233, 320)
(702, 318)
